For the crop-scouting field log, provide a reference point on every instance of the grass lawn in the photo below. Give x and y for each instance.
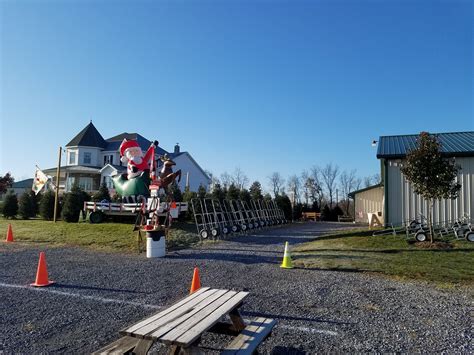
(359, 251)
(104, 236)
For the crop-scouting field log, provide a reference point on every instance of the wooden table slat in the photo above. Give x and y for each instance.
(176, 314)
(129, 330)
(168, 327)
(207, 318)
(251, 337)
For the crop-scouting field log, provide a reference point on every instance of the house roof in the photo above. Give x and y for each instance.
(175, 155)
(23, 184)
(353, 193)
(453, 144)
(117, 168)
(88, 137)
(113, 143)
(74, 169)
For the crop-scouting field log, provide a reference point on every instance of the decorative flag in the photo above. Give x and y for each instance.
(39, 181)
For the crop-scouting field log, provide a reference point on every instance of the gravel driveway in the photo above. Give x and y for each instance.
(96, 294)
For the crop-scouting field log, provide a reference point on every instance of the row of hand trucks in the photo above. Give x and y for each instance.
(461, 228)
(215, 218)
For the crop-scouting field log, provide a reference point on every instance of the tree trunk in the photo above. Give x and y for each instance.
(430, 219)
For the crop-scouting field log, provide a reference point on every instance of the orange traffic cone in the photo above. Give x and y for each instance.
(196, 283)
(42, 273)
(9, 233)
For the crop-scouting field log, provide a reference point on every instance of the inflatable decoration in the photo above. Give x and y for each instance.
(137, 180)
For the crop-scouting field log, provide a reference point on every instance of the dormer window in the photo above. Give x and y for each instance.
(109, 159)
(72, 158)
(87, 158)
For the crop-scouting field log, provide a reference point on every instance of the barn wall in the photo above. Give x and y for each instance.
(369, 201)
(405, 205)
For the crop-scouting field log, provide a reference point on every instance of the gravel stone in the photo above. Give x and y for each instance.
(98, 293)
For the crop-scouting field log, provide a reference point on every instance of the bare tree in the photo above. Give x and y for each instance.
(305, 186)
(226, 179)
(276, 183)
(294, 187)
(329, 174)
(316, 190)
(239, 178)
(358, 183)
(372, 180)
(310, 187)
(347, 181)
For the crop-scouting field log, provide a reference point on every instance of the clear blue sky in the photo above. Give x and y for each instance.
(263, 85)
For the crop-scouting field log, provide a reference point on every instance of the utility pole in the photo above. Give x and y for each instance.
(56, 195)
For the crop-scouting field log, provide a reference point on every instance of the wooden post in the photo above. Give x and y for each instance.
(56, 195)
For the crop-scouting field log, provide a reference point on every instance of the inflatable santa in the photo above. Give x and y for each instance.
(132, 155)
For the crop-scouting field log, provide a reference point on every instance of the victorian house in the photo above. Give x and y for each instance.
(92, 160)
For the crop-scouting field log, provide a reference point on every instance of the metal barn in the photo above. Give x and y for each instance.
(401, 204)
(368, 200)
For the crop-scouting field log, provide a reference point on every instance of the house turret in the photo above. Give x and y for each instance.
(176, 148)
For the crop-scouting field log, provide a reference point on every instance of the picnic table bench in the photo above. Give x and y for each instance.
(315, 216)
(182, 325)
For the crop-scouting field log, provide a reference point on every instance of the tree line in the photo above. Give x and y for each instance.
(321, 189)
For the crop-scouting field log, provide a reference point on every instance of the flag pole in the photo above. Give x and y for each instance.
(56, 195)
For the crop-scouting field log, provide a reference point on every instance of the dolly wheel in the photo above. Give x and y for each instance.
(214, 232)
(225, 230)
(203, 234)
(420, 236)
(244, 227)
(235, 229)
(470, 236)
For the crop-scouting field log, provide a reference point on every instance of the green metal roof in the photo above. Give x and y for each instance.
(453, 144)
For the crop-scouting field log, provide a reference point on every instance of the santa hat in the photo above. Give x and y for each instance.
(126, 145)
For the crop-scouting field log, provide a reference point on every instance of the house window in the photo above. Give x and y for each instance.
(108, 182)
(69, 183)
(87, 158)
(72, 158)
(85, 183)
(108, 159)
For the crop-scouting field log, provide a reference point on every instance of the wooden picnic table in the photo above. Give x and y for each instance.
(181, 326)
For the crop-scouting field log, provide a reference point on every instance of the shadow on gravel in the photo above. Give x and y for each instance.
(287, 350)
(288, 317)
(78, 287)
(265, 240)
(238, 258)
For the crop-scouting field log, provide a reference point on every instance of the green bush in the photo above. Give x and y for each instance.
(35, 201)
(297, 211)
(233, 192)
(46, 206)
(244, 195)
(10, 205)
(187, 197)
(102, 194)
(283, 202)
(175, 191)
(25, 208)
(73, 204)
(326, 213)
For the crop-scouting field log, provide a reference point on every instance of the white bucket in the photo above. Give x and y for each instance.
(155, 244)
